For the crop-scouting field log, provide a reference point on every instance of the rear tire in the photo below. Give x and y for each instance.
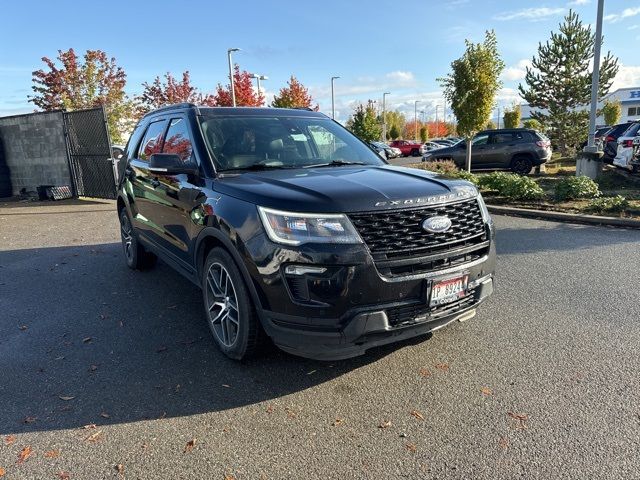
(228, 307)
(415, 152)
(135, 255)
(521, 165)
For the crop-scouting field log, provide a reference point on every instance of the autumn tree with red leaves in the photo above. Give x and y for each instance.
(296, 95)
(243, 86)
(159, 93)
(71, 83)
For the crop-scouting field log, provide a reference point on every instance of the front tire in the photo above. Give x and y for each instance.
(135, 255)
(229, 309)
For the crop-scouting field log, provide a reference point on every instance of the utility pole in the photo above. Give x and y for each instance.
(233, 89)
(589, 162)
(333, 100)
(384, 116)
(415, 118)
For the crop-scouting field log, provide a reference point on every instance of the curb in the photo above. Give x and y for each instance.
(564, 217)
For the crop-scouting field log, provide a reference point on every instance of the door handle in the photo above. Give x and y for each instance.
(155, 182)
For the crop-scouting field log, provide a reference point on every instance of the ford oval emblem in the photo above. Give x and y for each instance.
(436, 224)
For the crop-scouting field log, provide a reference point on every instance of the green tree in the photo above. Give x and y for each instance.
(393, 133)
(612, 111)
(512, 116)
(73, 83)
(424, 133)
(472, 85)
(491, 125)
(395, 119)
(364, 122)
(532, 123)
(559, 82)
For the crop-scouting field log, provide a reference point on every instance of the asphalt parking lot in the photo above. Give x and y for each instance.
(109, 373)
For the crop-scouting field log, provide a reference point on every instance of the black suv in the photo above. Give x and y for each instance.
(294, 228)
(516, 149)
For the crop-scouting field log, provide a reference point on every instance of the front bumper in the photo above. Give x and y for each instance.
(355, 304)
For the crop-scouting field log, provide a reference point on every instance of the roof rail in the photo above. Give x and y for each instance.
(174, 106)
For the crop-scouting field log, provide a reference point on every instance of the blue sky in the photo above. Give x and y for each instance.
(374, 46)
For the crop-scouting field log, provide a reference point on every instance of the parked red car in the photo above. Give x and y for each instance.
(408, 147)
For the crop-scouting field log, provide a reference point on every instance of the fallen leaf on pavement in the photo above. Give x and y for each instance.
(417, 414)
(226, 386)
(25, 453)
(290, 412)
(424, 372)
(269, 409)
(503, 442)
(52, 454)
(29, 419)
(86, 340)
(64, 475)
(486, 391)
(105, 415)
(228, 476)
(521, 417)
(385, 424)
(442, 366)
(65, 398)
(94, 437)
(411, 447)
(23, 327)
(89, 426)
(9, 439)
(338, 421)
(2, 472)
(93, 368)
(120, 468)
(189, 446)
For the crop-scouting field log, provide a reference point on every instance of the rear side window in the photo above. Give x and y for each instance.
(153, 140)
(503, 137)
(632, 131)
(178, 140)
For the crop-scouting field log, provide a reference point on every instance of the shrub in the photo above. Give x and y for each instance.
(571, 188)
(448, 168)
(511, 186)
(617, 204)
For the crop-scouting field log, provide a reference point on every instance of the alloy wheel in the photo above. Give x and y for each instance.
(127, 236)
(222, 305)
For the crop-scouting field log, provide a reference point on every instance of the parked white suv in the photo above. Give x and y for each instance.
(624, 154)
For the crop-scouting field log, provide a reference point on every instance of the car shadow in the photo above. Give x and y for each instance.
(84, 340)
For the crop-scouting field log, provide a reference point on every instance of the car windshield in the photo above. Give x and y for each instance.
(244, 142)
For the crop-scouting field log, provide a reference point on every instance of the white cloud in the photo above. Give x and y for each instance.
(517, 71)
(401, 76)
(626, 13)
(628, 76)
(534, 14)
(575, 3)
(633, 27)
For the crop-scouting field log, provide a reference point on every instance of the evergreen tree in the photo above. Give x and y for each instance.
(424, 133)
(559, 82)
(512, 117)
(393, 133)
(533, 124)
(364, 122)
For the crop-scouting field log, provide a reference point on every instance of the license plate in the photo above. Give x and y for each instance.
(448, 291)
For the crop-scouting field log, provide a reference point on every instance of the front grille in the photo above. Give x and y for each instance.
(399, 233)
(418, 312)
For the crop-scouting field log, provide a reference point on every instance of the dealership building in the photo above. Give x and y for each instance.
(629, 99)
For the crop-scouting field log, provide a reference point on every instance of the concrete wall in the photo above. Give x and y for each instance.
(35, 150)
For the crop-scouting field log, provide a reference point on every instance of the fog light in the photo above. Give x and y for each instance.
(303, 269)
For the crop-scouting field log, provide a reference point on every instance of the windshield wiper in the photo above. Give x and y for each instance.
(334, 163)
(257, 166)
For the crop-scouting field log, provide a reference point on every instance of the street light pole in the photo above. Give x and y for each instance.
(384, 116)
(259, 77)
(233, 89)
(498, 118)
(437, 124)
(415, 118)
(588, 163)
(333, 100)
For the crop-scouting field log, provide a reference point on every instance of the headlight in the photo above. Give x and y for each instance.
(291, 228)
(483, 209)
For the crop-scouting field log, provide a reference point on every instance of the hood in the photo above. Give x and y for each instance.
(341, 189)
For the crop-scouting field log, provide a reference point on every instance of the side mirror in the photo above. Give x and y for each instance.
(171, 164)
